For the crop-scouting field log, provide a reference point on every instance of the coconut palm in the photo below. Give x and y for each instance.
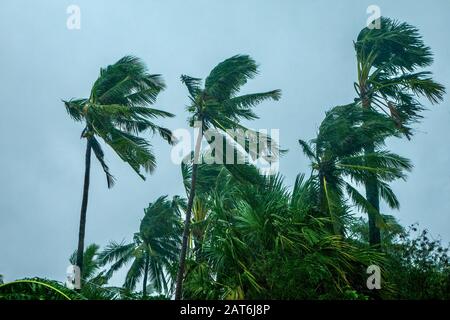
(217, 108)
(338, 158)
(391, 80)
(154, 248)
(116, 112)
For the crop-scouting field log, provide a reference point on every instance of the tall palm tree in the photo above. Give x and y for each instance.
(154, 249)
(337, 155)
(117, 111)
(388, 61)
(218, 107)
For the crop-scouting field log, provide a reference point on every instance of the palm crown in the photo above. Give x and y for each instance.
(219, 107)
(338, 153)
(117, 111)
(387, 78)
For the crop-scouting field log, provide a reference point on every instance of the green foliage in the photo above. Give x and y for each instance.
(262, 242)
(391, 80)
(37, 289)
(421, 265)
(93, 279)
(154, 249)
(416, 264)
(388, 59)
(250, 236)
(117, 111)
(218, 111)
(218, 107)
(338, 158)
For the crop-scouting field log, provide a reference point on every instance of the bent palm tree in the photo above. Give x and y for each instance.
(338, 153)
(388, 81)
(154, 249)
(218, 108)
(116, 111)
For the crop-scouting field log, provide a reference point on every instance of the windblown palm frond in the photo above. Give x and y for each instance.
(338, 155)
(218, 107)
(262, 227)
(388, 80)
(117, 110)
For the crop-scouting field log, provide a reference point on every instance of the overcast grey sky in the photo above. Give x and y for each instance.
(304, 48)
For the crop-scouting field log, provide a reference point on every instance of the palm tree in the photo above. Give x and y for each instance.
(388, 81)
(218, 107)
(117, 111)
(337, 155)
(154, 249)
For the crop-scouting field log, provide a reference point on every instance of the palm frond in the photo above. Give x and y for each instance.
(100, 157)
(229, 76)
(75, 108)
(365, 206)
(127, 83)
(135, 272)
(307, 149)
(193, 85)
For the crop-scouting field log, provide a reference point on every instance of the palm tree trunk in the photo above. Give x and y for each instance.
(144, 285)
(371, 185)
(321, 196)
(84, 204)
(187, 222)
(373, 197)
(325, 206)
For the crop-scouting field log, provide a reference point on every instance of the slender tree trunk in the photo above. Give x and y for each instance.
(322, 201)
(187, 222)
(373, 197)
(325, 207)
(84, 204)
(144, 286)
(371, 185)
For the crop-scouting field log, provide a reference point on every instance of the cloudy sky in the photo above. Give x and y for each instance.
(303, 47)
